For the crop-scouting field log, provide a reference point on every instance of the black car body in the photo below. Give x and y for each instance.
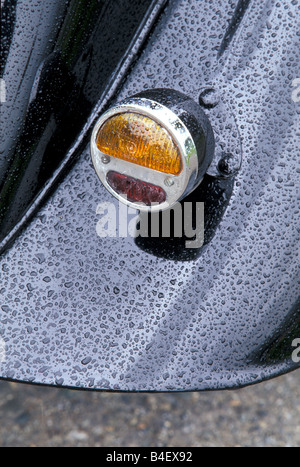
(127, 314)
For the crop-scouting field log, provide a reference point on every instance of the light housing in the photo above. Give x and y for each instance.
(153, 149)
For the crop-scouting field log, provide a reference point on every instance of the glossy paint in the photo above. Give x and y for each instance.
(58, 59)
(126, 314)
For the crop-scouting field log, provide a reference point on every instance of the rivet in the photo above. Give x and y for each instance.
(209, 98)
(227, 165)
(105, 159)
(169, 182)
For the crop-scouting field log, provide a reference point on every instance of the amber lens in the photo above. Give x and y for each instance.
(138, 139)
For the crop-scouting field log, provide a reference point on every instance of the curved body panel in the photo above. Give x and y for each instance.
(123, 314)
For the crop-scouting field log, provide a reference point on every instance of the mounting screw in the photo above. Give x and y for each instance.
(227, 165)
(209, 98)
(169, 182)
(105, 159)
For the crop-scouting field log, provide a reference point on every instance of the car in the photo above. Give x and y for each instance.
(86, 300)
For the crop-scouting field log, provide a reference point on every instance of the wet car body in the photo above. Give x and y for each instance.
(128, 314)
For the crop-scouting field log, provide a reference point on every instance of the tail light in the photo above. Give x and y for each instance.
(153, 149)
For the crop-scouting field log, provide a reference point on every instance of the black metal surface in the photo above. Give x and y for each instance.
(57, 58)
(108, 313)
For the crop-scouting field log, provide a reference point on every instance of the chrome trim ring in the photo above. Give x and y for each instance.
(175, 186)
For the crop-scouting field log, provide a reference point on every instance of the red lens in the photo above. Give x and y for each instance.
(136, 190)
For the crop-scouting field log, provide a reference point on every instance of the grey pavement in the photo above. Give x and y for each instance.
(264, 415)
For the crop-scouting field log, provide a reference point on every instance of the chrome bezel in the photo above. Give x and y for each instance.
(182, 137)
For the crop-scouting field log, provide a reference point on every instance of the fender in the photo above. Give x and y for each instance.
(118, 313)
